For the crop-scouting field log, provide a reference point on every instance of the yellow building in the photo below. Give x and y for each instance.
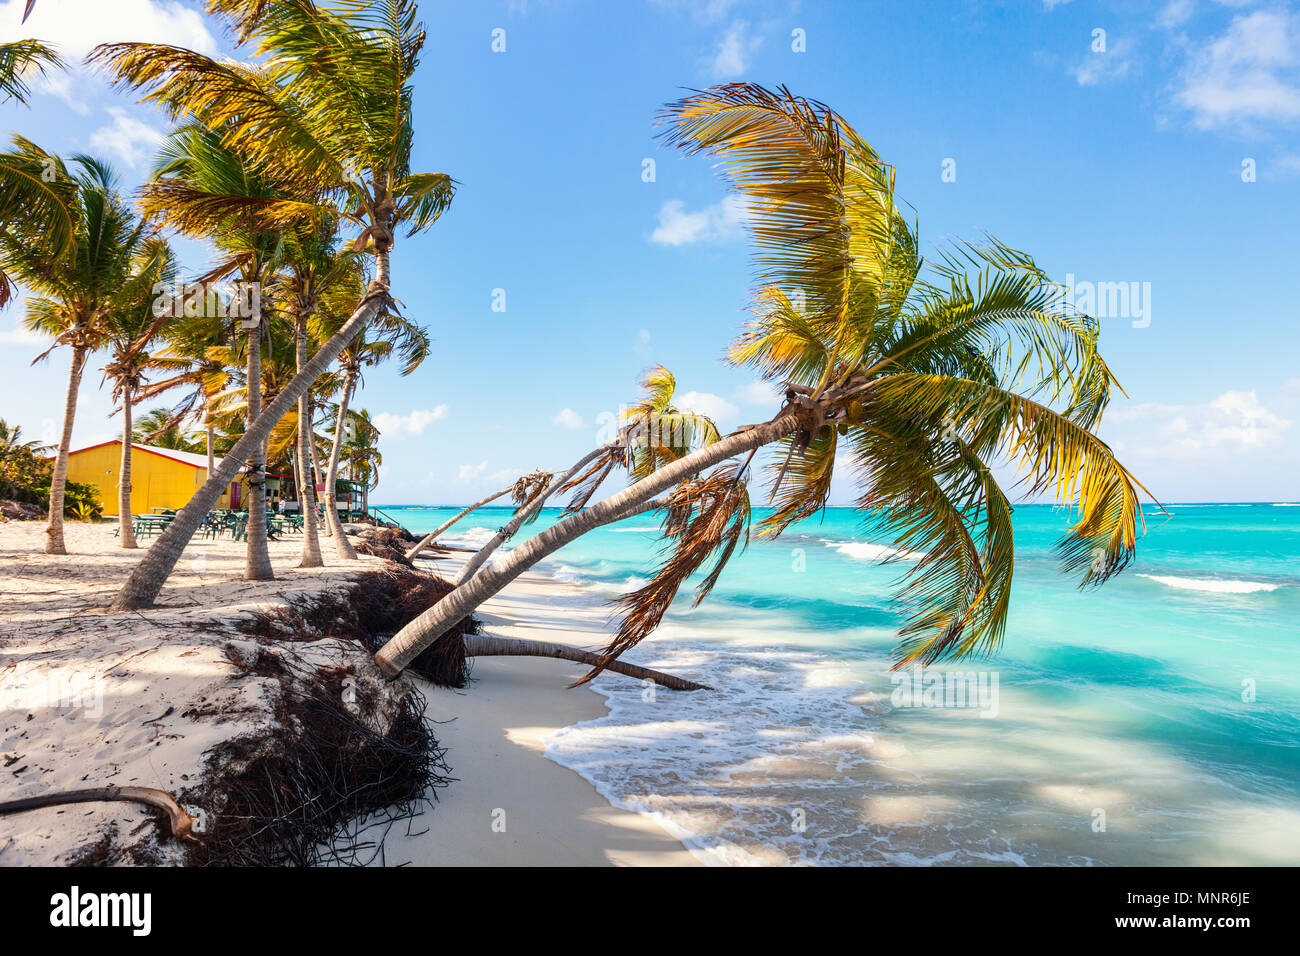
(160, 477)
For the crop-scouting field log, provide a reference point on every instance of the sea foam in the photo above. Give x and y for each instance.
(1211, 585)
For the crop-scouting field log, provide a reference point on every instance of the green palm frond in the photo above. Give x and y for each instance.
(19, 61)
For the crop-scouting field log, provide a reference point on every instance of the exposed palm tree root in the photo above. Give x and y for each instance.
(482, 645)
(181, 823)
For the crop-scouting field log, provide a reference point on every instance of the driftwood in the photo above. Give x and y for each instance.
(182, 824)
(482, 645)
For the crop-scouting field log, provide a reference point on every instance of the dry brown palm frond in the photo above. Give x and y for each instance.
(586, 484)
(526, 490)
(705, 517)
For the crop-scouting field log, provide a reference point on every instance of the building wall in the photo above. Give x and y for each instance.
(156, 482)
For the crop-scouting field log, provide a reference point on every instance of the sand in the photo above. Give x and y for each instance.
(89, 698)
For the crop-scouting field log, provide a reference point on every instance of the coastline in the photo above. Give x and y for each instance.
(511, 805)
(89, 697)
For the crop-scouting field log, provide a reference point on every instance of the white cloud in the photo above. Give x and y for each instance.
(643, 341)
(568, 418)
(706, 403)
(127, 138)
(1247, 76)
(1236, 421)
(721, 221)
(75, 27)
(21, 336)
(413, 423)
(1176, 13)
(469, 473)
(78, 26)
(1115, 63)
(708, 11)
(760, 393)
(734, 50)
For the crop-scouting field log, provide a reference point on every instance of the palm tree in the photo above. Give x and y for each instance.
(204, 190)
(195, 343)
(654, 433)
(129, 332)
(361, 454)
(393, 337)
(19, 60)
(11, 439)
(332, 109)
(316, 272)
(30, 189)
(160, 428)
(75, 295)
(923, 377)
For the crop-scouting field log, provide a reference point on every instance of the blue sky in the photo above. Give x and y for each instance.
(1161, 152)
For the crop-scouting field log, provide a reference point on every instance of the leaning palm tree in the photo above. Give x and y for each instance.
(74, 295)
(130, 331)
(332, 108)
(924, 375)
(654, 433)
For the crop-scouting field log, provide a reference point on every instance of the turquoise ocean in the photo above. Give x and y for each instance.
(1155, 720)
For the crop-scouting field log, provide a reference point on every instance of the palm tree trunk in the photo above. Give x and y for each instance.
(148, 577)
(257, 561)
(311, 556)
(126, 530)
(481, 645)
(324, 527)
(432, 536)
(429, 626)
(523, 515)
(209, 430)
(59, 479)
(341, 543)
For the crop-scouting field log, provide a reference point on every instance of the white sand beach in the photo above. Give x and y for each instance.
(89, 698)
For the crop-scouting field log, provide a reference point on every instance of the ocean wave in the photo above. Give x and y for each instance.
(567, 574)
(785, 760)
(471, 537)
(863, 551)
(641, 530)
(1211, 585)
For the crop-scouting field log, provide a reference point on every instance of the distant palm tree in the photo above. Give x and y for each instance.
(73, 297)
(392, 336)
(922, 378)
(130, 331)
(332, 109)
(361, 455)
(316, 274)
(160, 429)
(654, 433)
(11, 437)
(195, 342)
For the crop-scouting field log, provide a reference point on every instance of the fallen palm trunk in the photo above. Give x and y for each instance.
(432, 536)
(426, 628)
(182, 824)
(525, 514)
(481, 645)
